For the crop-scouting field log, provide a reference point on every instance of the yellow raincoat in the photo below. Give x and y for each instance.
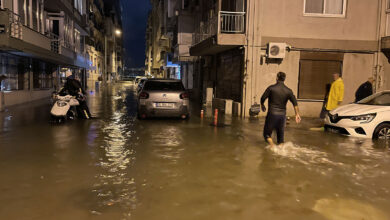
(336, 94)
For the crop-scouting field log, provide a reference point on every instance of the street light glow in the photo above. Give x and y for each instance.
(118, 32)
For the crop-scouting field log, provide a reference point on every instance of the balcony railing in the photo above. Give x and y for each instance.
(55, 43)
(232, 22)
(15, 25)
(205, 30)
(229, 23)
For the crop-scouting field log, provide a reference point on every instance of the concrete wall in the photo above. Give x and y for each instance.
(285, 21)
(67, 52)
(283, 18)
(384, 80)
(356, 70)
(264, 75)
(36, 38)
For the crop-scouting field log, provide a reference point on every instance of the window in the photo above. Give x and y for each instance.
(42, 75)
(331, 8)
(14, 68)
(381, 99)
(163, 86)
(315, 73)
(78, 4)
(77, 40)
(185, 4)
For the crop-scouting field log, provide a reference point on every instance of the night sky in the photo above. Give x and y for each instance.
(134, 15)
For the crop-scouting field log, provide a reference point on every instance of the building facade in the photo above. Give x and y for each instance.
(104, 45)
(39, 42)
(244, 43)
(159, 38)
(43, 41)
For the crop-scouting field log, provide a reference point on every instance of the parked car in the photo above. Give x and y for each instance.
(368, 118)
(163, 98)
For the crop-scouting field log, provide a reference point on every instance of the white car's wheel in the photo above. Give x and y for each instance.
(382, 132)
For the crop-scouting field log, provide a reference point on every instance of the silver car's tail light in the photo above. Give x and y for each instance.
(143, 95)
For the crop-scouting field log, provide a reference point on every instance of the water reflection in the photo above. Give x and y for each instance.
(168, 143)
(115, 188)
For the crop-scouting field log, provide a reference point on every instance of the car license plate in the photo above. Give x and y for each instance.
(164, 105)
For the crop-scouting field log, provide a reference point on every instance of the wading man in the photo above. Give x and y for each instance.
(278, 95)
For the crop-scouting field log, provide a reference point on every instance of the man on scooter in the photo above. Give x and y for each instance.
(73, 87)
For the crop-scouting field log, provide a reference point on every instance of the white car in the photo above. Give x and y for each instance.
(368, 118)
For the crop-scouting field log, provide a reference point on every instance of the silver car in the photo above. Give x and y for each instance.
(163, 98)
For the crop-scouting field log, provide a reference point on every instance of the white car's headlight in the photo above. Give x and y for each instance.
(364, 118)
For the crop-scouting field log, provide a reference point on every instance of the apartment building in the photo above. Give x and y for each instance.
(95, 44)
(113, 41)
(244, 43)
(157, 45)
(149, 46)
(159, 35)
(43, 41)
(181, 20)
(39, 42)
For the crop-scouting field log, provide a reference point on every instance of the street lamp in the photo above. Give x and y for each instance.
(118, 32)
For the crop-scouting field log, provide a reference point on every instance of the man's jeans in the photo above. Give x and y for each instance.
(275, 122)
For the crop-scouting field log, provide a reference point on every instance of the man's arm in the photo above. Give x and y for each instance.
(264, 97)
(294, 101)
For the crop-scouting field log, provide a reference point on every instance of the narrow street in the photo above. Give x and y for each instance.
(117, 167)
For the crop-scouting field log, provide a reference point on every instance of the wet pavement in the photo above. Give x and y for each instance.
(117, 167)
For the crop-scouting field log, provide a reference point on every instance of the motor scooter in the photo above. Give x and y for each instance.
(64, 107)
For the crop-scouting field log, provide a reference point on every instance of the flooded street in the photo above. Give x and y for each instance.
(117, 167)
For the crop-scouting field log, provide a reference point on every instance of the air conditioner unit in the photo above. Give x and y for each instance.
(276, 50)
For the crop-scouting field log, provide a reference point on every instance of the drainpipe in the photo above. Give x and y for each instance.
(377, 67)
(246, 57)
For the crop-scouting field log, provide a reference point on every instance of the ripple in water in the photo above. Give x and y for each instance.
(114, 187)
(358, 166)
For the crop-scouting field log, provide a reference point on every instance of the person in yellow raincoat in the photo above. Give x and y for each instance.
(336, 94)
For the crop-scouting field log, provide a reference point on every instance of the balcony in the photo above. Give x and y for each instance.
(22, 40)
(17, 36)
(219, 33)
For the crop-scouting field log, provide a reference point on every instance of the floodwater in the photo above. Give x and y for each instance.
(117, 167)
